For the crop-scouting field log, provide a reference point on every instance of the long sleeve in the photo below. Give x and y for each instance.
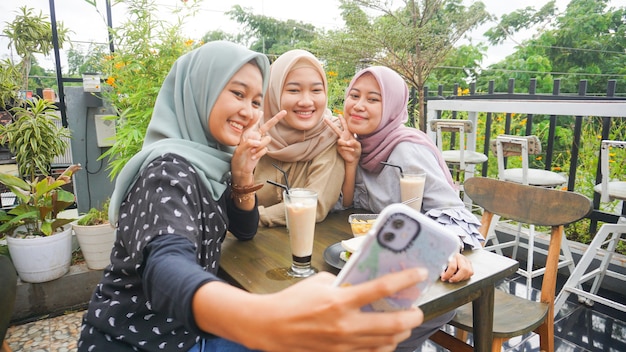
(441, 201)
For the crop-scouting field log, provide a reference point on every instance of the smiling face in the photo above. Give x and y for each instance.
(238, 105)
(363, 108)
(304, 98)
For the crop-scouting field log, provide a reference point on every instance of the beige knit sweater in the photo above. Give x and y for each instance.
(323, 174)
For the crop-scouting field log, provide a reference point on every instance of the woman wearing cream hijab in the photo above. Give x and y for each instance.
(302, 145)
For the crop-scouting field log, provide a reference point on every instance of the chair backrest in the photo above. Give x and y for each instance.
(604, 166)
(530, 205)
(453, 126)
(508, 145)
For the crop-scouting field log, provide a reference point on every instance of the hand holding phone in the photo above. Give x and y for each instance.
(401, 238)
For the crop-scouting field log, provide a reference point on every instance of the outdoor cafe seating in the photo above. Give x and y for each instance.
(514, 315)
(604, 243)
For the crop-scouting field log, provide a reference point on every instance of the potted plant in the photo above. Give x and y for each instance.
(30, 34)
(9, 84)
(95, 236)
(34, 138)
(39, 241)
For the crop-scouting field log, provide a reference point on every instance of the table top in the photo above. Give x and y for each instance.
(260, 265)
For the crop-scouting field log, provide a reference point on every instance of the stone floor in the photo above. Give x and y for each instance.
(578, 328)
(58, 334)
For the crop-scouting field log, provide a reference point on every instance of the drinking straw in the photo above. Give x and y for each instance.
(279, 185)
(398, 166)
(284, 176)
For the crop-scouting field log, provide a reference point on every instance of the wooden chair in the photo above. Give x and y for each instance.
(524, 147)
(605, 241)
(513, 315)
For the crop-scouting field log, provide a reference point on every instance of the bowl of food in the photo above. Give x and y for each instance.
(361, 223)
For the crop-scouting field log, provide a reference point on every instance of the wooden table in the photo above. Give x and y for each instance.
(260, 266)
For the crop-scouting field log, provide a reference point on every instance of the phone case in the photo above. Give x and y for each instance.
(401, 238)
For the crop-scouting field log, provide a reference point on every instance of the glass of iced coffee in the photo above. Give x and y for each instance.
(300, 208)
(412, 189)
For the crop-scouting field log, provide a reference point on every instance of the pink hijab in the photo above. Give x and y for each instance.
(377, 146)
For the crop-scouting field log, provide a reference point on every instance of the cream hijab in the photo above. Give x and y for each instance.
(289, 144)
(180, 120)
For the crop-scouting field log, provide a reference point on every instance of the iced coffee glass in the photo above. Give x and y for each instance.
(300, 208)
(412, 188)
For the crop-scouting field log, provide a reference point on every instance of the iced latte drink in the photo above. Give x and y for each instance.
(412, 189)
(301, 208)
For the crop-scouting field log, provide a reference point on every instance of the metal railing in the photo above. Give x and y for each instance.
(609, 108)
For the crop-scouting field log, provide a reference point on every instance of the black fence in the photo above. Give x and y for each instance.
(608, 122)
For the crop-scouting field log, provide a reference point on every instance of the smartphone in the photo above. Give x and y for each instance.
(401, 238)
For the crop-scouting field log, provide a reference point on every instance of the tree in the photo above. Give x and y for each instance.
(412, 39)
(31, 34)
(79, 62)
(271, 36)
(221, 35)
(586, 41)
(462, 65)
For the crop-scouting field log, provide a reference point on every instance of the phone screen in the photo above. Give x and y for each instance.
(401, 238)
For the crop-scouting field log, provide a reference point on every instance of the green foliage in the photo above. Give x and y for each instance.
(34, 138)
(96, 216)
(31, 34)
(412, 39)
(270, 36)
(145, 50)
(79, 63)
(462, 65)
(520, 19)
(9, 83)
(40, 202)
(587, 41)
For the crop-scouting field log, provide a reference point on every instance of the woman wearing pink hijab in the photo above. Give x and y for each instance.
(302, 146)
(374, 131)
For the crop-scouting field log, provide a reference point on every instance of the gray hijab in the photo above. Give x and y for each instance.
(179, 122)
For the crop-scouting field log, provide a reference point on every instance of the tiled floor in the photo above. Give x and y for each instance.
(577, 328)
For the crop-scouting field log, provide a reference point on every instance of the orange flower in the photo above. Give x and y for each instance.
(189, 42)
(110, 81)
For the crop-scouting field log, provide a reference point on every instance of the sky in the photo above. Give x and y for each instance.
(88, 25)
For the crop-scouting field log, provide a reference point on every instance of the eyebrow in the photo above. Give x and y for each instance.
(244, 85)
(296, 83)
(370, 92)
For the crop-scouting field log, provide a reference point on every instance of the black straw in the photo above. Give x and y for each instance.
(278, 185)
(398, 166)
(284, 176)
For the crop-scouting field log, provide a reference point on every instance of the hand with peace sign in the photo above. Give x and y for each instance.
(347, 146)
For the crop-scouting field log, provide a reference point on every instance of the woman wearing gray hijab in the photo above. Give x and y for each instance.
(173, 204)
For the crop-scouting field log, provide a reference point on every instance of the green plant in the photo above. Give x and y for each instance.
(9, 83)
(32, 34)
(95, 216)
(145, 49)
(40, 202)
(34, 138)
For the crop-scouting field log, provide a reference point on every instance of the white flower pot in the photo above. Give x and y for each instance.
(41, 259)
(96, 243)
